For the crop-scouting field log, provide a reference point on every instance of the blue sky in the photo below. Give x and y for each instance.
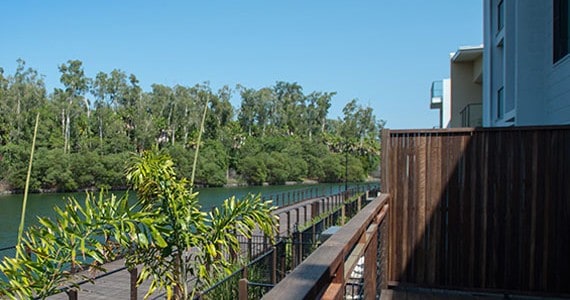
(384, 53)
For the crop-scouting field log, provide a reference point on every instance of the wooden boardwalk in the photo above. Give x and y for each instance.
(115, 284)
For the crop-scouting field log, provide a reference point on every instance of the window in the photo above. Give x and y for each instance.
(561, 29)
(500, 15)
(500, 103)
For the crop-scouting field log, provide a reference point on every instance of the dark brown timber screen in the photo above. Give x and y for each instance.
(482, 209)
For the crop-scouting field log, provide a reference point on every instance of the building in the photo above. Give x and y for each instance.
(459, 97)
(526, 78)
(441, 99)
(466, 74)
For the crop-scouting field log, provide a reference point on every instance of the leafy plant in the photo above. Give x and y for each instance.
(196, 243)
(165, 231)
(82, 236)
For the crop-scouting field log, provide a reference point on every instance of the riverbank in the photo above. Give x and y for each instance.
(4, 190)
(41, 205)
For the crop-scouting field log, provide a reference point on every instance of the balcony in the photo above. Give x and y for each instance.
(471, 115)
(436, 94)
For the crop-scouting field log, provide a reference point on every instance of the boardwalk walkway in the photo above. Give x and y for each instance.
(115, 284)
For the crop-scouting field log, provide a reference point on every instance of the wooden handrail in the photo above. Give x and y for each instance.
(322, 274)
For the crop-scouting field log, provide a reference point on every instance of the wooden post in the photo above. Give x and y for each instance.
(274, 266)
(288, 223)
(370, 268)
(249, 249)
(314, 209)
(72, 294)
(314, 233)
(342, 214)
(300, 256)
(279, 226)
(134, 277)
(294, 245)
(383, 248)
(243, 289)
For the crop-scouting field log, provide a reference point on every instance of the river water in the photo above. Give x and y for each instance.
(41, 205)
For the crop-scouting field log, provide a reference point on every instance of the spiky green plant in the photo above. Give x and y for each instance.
(197, 243)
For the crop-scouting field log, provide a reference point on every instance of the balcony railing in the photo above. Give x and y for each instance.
(436, 94)
(472, 115)
(352, 261)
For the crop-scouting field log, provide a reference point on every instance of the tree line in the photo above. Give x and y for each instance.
(88, 128)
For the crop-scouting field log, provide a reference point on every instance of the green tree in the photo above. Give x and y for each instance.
(212, 164)
(253, 169)
(21, 96)
(73, 101)
(333, 169)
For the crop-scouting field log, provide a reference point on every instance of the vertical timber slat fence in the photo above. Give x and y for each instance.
(479, 209)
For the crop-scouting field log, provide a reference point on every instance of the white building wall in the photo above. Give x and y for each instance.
(538, 89)
(446, 105)
(464, 90)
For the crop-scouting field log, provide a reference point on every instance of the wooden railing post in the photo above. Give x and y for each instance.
(342, 214)
(274, 265)
(370, 267)
(288, 223)
(134, 277)
(383, 244)
(72, 294)
(294, 245)
(242, 292)
(249, 249)
(300, 255)
(314, 209)
(279, 226)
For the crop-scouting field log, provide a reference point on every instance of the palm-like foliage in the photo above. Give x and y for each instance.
(83, 236)
(197, 243)
(165, 231)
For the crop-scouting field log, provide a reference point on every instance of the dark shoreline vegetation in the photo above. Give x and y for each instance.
(89, 129)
